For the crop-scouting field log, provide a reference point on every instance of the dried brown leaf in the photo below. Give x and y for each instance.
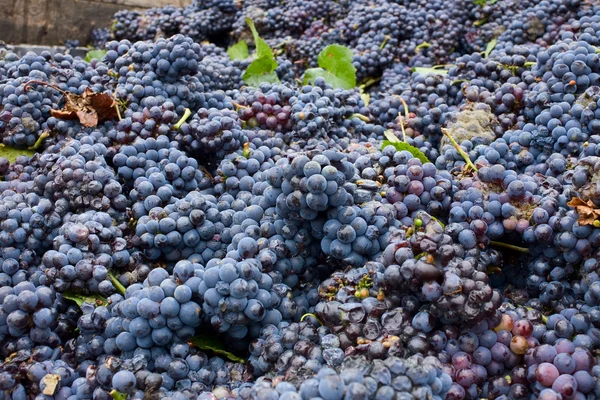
(586, 210)
(90, 108)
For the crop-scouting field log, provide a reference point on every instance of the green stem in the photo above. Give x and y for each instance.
(118, 395)
(311, 315)
(120, 288)
(510, 246)
(368, 83)
(186, 115)
(38, 142)
(423, 45)
(405, 106)
(360, 116)
(463, 153)
(387, 38)
(246, 150)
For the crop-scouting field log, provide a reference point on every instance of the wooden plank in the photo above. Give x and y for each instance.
(51, 22)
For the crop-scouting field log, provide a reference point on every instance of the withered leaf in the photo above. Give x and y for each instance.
(586, 210)
(90, 108)
(51, 381)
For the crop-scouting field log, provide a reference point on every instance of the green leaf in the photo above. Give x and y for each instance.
(422, 70)
(257, 79)
(262, 48)
(490, 46)
(262, 69)
(97, 54)
(260, 66)
(311, 74)
(401, 146)
(97, 300)
(336, 60)
(212, 343)
(11, 153)
(238, 51)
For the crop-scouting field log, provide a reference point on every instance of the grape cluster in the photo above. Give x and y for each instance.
(430, 234)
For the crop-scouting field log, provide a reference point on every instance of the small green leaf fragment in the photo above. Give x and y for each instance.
(211, 343)
(11, 154)
(80, 299)
(238, 51)
(118, 395)
(97, 54)
(366, 98)
(391, 138)
(422, 70)
(401, 146)
(480, 22)
(490, 46)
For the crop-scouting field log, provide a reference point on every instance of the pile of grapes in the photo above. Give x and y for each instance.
(379, 200)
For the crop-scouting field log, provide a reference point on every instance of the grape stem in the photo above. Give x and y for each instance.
(238, 105)
(311, 315)
(363, 118)
(405, 106)
(368, 83)
(463, 153)
(387, 38)
(117, 395)
(113, 279)
(26, 87)
(423, 45)
(510, 246)
(39, 141)
(186, 115)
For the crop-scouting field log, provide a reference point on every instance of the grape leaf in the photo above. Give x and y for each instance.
(212, 343)
(422, 70)
(311, 74)
(238, 51)
(490, 46)
(335, 66)
(256, 80)
(90, 108)
(262, 48)
(588, 213)
(11, 154)
(401, 146)
(79, 299)
(97, 54)
(262, 69)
